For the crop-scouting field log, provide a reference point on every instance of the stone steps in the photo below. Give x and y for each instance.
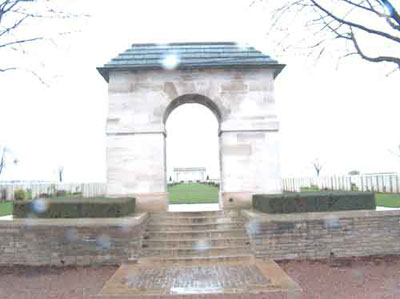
(195, 227)
(196, 220)
(190, 234)
(174, 215)
(216, 242)
(196, 236)
(243, 258)
(200, 250)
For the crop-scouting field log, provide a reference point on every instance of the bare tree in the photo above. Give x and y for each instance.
(317, 166)
(16, 15)
(360, 25)
(60, 173)
(4, 152)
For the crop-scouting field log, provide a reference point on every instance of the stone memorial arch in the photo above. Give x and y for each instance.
(148, 81)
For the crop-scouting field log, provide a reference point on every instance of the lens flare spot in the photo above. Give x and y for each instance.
(170, 61)
(331, 223)
(124, 225)
(253, 227)
(103, 242)
(202, 245)
(29, 220)
(40, 205)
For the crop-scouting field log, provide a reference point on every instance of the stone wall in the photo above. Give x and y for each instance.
(60, 242)
(322, 235)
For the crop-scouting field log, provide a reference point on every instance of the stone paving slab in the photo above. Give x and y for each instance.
(223, 280)
(200, 207)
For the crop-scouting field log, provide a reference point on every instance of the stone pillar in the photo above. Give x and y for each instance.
(135, 142)
(250, 165)
(135, 167)
(249, 141)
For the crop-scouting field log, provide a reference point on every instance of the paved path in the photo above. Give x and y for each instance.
(194, 207)
(386, 209)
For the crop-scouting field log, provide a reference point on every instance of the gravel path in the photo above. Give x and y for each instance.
(340, 278)
(49, 282)
(347, 278)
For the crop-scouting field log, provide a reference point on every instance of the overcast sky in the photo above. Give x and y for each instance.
(347, 117)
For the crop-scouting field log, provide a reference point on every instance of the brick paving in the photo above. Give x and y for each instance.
(198, 279)
(195, 279)
(225, 278)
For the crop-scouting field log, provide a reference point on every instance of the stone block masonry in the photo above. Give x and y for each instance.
(324, 234)
(112, 241)
(77, 242)
(235, 83)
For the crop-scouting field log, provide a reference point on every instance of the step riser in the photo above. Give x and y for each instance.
(186, 227)
(198, 214)
(207, 260)
(201, 251)
(202, 220)
(195, 235)
(194, 243)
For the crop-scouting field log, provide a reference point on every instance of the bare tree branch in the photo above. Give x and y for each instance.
(357, 23)
(317, 166)
(17, 14)
(21, 41)
(359, 26)
(4, 151)
(392, 11)
(7, 69)
(372, 59)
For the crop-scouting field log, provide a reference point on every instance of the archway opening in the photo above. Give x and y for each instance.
(192, 157)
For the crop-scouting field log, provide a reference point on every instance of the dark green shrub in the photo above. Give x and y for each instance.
(19, 194)
(70, 207)
(314, 202)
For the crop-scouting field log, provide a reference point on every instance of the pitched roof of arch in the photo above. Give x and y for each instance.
(190, 56)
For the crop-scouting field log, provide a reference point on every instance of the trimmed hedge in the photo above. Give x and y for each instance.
(313, 202)
(74, 207)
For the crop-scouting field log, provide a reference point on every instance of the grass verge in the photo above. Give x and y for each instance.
(6, 208)
(388, 200)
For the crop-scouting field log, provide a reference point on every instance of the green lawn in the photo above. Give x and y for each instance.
(387, 200)
(6, 208)
(193, 193)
